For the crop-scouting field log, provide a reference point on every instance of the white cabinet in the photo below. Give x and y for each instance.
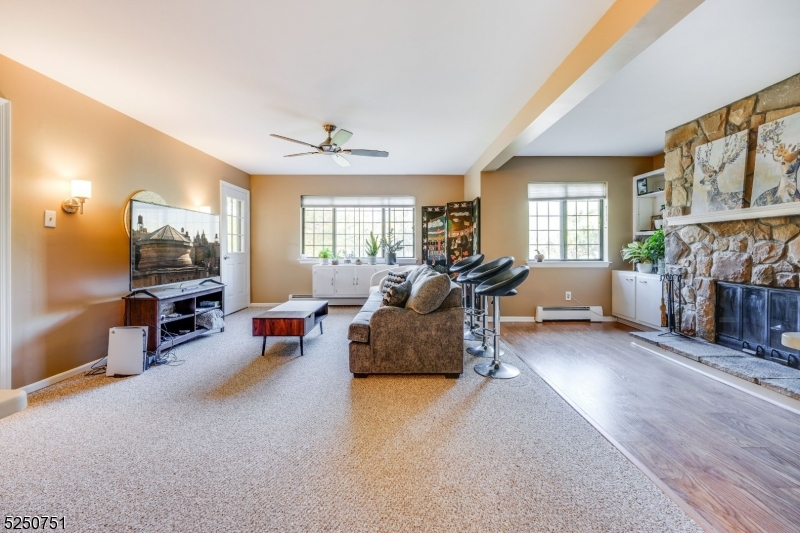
(648, 300)
(322, 281)
(341, 281)
(623, 294)
(636, 297)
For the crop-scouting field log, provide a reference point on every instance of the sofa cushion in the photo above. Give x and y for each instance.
(453, 297)
(420, 270)
(393, 278)
(397, 295)
(428, 292)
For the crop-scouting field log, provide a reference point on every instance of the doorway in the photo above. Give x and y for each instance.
(5, 244)
(235, 244)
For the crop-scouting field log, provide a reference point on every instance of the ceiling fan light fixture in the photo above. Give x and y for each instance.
(341, 161)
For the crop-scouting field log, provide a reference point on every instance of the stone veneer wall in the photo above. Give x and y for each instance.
(761, 252)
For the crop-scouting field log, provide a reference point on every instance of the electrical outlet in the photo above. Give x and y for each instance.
(568, 296)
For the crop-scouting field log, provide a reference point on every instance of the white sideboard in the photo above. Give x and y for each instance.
(636, 297)
(342, 281)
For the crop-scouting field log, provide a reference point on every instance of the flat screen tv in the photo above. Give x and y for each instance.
(172, 245)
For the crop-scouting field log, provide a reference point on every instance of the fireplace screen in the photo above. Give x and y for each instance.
(754, 318)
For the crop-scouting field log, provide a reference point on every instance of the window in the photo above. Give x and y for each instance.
(235, 227)
(343, 223)
(567, 221)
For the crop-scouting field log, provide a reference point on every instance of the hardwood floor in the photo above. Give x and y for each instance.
(732, 458)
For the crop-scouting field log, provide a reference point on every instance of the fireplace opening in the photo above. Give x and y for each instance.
(753, 318)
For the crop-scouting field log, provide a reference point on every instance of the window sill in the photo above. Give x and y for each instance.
(381, 262)
(569, 264)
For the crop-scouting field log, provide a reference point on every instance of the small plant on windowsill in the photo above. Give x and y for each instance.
(372, 247)
(637, 253)
(390, 247)
(326, 255)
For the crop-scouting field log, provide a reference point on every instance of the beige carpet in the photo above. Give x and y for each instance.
(231, 441)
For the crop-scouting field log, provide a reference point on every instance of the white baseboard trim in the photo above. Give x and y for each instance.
(52, 380)
(515, 319)
(533, 319)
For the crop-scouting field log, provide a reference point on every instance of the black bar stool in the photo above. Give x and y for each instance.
(504, 284)
(475, 277)
(462, 268)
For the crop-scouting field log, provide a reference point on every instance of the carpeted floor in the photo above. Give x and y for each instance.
(230, 441)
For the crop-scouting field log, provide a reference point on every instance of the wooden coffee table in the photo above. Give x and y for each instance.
(290, 319)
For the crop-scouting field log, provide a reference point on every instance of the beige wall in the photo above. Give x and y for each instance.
(504, 225)
(275, 221)
(68, 281)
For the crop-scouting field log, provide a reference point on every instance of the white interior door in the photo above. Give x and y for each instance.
(235, 242)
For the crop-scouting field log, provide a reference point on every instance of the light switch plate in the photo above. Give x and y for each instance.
(49, 219)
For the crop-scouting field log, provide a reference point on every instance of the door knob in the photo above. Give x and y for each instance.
(227, 257)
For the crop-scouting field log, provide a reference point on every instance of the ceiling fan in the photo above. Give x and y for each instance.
(332, 146)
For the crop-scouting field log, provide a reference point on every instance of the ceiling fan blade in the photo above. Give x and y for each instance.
(341, 137)
(368, 153)
(293, 140)
(341, 161)
(304, 153)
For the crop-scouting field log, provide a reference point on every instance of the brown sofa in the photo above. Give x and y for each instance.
(398, 340)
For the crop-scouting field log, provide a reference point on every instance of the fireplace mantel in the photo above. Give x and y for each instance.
(736, 214)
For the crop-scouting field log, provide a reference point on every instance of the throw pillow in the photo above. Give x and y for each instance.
(397, 295)
(428, 293)
(393, 278)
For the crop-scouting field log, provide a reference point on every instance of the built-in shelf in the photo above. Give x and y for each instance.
(737, 214)
(647, 206)
(650, 194)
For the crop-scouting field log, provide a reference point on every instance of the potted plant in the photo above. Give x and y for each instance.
(538, 256)
(372, 247)
(390, 247)
(636, 253)
(346, 256)
(655, 247)
(325, 255)
(358, 260)
(335, 258)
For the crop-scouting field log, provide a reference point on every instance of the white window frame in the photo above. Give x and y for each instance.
(385, 203)
(565, 191)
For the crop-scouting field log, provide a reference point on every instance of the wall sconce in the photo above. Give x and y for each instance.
(81, 191)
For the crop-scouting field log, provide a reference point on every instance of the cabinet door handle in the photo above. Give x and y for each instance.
(642, 281)
(628, 279)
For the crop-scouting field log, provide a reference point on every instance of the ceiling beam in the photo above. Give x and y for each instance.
(622, 33)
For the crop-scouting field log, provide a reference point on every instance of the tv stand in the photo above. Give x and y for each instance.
(145, 308)
(141, 291)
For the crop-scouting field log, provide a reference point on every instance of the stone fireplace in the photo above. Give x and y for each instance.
(757, 252)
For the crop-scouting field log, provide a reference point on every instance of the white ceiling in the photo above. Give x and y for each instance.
(722, 51)
(431, 82)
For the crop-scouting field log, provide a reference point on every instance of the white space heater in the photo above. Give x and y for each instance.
(127, 351)
(593, 313)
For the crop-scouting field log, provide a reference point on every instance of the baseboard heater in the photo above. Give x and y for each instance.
(301, 297)
(573, 313)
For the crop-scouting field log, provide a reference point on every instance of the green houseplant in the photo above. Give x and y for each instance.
(637, 253)
(390, 247)
(372, 247)
(325, 255)
(655, 248)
